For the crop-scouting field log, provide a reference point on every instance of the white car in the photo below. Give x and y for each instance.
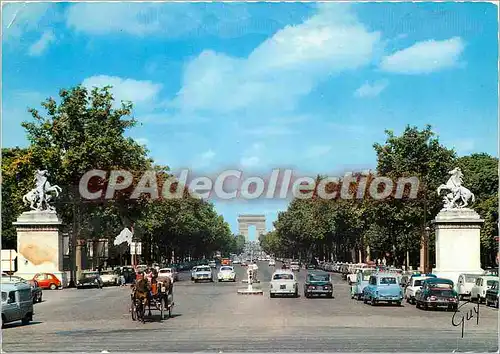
(295, 266)
(483, 283)
(226, 273)
(351, 278)
(283, 282)
(272, 263)
(465, 284)
(414, 284)
(236, 261)
(109, 277)
(203, 273)
(167, 272)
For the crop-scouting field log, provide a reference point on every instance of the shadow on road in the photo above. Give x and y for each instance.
(19, 324)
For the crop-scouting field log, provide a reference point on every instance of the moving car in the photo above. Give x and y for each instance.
(483, 283)
(437, 292)
(318, 283)
(272, 263)
(465, 283)
(492, 295)
(48, 281)
(17, 303)
(236, 261)
(383, 287)
(362, 279)
(283, 282)
(110, 277)
(226, 273)
(414, 284)
(89, 279)
(203, 273)
(193, 271)
(36, 291)
(295, 266)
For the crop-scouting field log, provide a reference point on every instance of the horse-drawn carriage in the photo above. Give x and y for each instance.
(162, 300)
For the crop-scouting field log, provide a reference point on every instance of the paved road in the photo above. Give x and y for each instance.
(212, 317)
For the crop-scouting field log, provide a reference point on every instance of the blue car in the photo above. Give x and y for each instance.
(383, 287)
(362, 279)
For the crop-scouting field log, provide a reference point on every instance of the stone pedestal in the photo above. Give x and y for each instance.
(39, 245)
(457, 243)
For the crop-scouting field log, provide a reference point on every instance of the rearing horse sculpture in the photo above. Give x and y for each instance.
(457, 191)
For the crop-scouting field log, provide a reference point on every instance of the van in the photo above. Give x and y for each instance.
(17, 303)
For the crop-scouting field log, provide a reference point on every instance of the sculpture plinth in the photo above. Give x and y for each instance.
(39, 244)
(457, 243)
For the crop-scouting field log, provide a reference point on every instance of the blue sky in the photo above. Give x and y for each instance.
(263, 85)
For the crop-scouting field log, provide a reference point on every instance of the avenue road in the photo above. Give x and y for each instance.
(213, 317)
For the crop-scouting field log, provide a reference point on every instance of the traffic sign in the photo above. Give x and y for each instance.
(135, 248)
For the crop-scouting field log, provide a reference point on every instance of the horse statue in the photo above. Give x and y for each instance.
(41, 197)
(458, 196)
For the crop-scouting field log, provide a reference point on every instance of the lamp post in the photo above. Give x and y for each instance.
(427, 264)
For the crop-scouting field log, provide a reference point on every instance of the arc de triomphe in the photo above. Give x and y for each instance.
(244, 221)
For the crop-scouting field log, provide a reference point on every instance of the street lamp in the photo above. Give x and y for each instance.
(427, 262)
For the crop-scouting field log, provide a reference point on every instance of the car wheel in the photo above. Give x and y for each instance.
(296, 294)
(271, 295)
(487, 302)
(365, 301)
(373, 302)
(398, 303)
(495, 304)
(26, 320)
(329, 295)
(53, 286)
(418, 304)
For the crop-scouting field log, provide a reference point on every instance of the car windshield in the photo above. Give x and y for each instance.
(470, 279)
(283, 276)
(441, 292)
(319, 277)
(490, 282)
(203, 269)
(226, 269)
(418, 282)
(165, 271)
(388, 280)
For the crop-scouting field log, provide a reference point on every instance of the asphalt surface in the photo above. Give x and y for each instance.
(213, 317)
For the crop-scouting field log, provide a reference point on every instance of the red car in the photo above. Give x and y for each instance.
(47, 281)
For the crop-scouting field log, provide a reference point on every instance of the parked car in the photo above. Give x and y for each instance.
(226, 273)
(437, 292)
(89, 279)
(362, 279)
(272, 263)
(415, 283)
(283, 282)
(383, 287)
(492, 295)
(203, 273)
(17, 302)
(465, 283)
(483, 283)
(318, 283)
(48, 281)
(352, 276)
(110, 277)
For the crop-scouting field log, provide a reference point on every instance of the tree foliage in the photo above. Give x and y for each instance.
(391, 228)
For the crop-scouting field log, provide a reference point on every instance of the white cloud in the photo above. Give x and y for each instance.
(282, 69)
(208, 155)
(39, 47)
(139, 92)
(250, 161)
(318, 151)
(172, 19)
(425, 57)
(371, 90)
(204, 159)
(19, 18)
